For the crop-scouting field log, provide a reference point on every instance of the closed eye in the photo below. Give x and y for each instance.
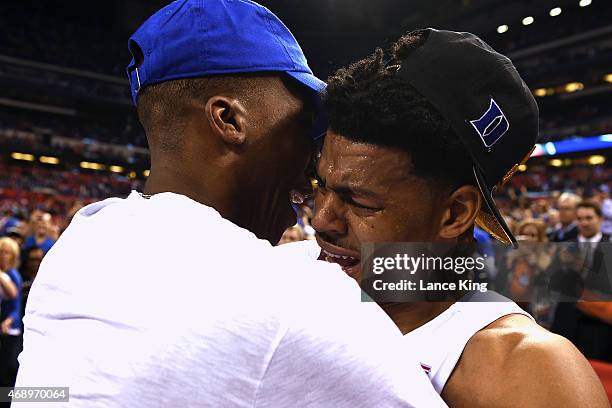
(345, 195)
(363, 207)
(352, 202)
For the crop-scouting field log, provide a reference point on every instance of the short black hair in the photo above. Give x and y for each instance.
(162, 107)
(592, 205)
(367, 102)
(160, 110)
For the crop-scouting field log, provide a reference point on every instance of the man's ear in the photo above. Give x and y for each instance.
(460, 212)
(227, 117)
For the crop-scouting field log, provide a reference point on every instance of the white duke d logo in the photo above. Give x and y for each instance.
(492, 125)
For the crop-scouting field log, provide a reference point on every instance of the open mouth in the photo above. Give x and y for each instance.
(349, 261)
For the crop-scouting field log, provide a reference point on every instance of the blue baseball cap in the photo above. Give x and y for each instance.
(196, 38)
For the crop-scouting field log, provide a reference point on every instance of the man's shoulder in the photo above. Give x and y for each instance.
(565, 234)
(491, 349)
(504, 364)
(507, 333)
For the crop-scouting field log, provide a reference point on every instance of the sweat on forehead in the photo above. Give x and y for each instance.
(362, 164)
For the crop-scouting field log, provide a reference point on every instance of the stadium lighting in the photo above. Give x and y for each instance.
(92, 166)
(584, 3)
(556, 162)
(540, 92)
(116, 169)
(528, 20)
(522, 167)
(22, 156)
(596, 160)
(555, 12)
(49, 160)
(574, 86)
(146, 173)
(608, 78)
(502, 28)
(550, 148)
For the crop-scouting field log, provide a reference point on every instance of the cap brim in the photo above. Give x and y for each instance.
(309, 80)
(489, 218)
(318, 86)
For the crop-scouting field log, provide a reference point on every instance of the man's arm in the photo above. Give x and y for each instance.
(523, 365)
(551, 372)
(341, 352)
(363, 368)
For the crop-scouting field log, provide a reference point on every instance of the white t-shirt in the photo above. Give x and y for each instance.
(163, 303)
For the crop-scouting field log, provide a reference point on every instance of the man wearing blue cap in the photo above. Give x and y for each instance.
(176, 297)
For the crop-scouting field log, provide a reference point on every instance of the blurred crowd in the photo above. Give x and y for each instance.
(123, 131)
(75, 140)
(561, 272)
(23, 244)
(19, 180)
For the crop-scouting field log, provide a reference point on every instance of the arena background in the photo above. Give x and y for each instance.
(69, 134)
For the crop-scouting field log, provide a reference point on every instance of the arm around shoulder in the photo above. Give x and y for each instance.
(341, 352)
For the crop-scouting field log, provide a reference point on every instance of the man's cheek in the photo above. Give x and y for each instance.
(363, 230)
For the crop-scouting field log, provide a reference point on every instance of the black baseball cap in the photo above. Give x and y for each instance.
(487, 104)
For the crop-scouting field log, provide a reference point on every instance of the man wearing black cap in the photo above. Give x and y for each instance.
(176, 297)
(417, 140)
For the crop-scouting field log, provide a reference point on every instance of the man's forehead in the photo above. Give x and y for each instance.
(348, 161)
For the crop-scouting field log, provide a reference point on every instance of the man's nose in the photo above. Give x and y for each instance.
(328, 214)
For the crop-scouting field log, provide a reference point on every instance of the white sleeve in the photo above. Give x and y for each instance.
(341, 352)
(308, 249)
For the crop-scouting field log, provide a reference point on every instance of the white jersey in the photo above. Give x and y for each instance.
(440, 342)
(161, 302)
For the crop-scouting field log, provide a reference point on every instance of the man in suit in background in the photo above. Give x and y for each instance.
(587, 323)
(567, 229)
